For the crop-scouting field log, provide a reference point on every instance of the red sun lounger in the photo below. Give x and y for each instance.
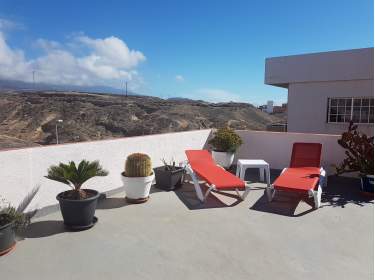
(304, 174)
(201, 165)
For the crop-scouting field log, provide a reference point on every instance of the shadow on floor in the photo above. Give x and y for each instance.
(252, 174)
(343, 190)
(118, 202)
(154, 189)
(339, 192)
(44, 228)
(188, 197)
(285, 204)
(112, 203)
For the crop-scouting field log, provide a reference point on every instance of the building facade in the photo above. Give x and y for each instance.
(268, 108)
(326, 90)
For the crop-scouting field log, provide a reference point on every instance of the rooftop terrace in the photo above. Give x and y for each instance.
(173, 235)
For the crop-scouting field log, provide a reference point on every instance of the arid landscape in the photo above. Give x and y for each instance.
(29, 118)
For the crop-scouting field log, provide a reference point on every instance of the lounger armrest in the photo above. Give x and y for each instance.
(323, 177)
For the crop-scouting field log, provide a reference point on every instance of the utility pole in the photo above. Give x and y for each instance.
(57, 132)
(126, 89)
(34, 79)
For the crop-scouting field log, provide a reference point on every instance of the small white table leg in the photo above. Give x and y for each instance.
(261, 174)
(242, 172)
(268, 176)
(238, 169)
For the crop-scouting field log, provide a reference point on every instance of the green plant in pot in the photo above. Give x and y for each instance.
(169, 176)
(13, 220)
(224, 144)
(77, 205)
(359, 151)
(138, 177)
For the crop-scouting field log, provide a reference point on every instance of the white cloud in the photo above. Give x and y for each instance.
(180, 78)
(47, 45)
(216, 95)
(107, 61)
(12, 61)
(112, 51)
(9, 25)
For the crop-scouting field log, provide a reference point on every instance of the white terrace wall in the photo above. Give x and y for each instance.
(22, 169)
(276, 147)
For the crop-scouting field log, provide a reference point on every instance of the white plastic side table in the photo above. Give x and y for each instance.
(243, 164)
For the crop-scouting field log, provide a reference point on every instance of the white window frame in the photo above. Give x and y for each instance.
(351, 109)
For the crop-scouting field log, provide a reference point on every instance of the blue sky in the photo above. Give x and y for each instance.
(213, 50)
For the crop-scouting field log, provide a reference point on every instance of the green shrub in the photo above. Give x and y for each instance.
(74, 176)
(225, 140)
(138, 165)
(171, 166)
(18, 216)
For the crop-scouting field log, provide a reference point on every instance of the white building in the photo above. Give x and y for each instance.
(326, 90)
(269, 108)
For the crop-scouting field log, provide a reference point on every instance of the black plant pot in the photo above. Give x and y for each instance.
(168, 180)
(7, 238)
(78, 214)
(367, 183)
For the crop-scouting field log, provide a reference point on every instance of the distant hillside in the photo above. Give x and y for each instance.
(26, 86)
(29, 118)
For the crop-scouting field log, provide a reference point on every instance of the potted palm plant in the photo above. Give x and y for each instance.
(224, 144)
(77, 205)
(359, 151)
(12, 220)
(169, 176)
(137, 177)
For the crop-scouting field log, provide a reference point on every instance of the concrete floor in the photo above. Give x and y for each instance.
(174, 237)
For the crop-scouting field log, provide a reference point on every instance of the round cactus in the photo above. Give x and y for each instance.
(138, 165)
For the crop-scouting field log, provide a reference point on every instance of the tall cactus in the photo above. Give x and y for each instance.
(138, 165)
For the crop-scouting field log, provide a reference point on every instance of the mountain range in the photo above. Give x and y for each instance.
(27, 86)
(29, 118)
